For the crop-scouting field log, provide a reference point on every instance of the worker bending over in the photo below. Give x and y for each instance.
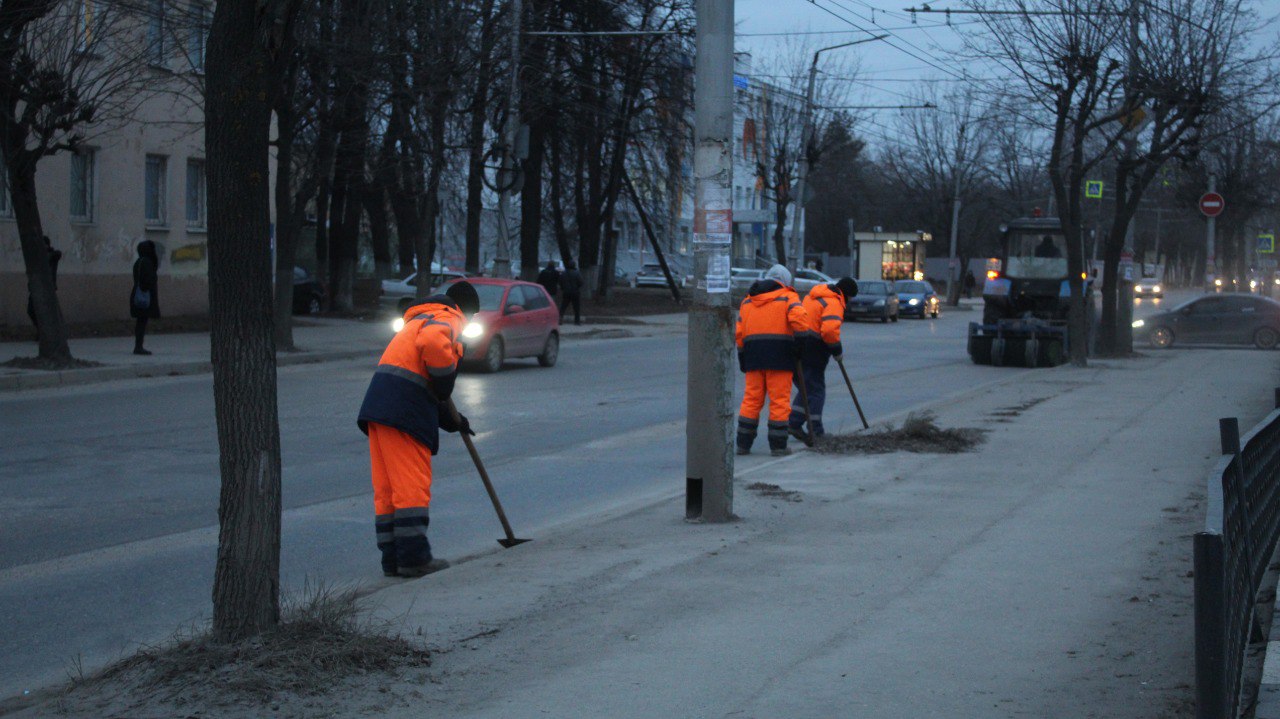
(403, 411)
(819, 342)
(768, 321)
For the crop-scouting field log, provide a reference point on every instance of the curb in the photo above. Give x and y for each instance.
(39, 379)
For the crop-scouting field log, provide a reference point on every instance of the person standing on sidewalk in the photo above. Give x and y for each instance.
(768, 321)
(571, 292)
(55, 256)
(969, 283)
(819, 343)
(549, 278)
(403, 411)
(144, 299)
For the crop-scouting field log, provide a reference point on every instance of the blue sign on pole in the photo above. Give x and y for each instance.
(1267, 244)
(740, 81)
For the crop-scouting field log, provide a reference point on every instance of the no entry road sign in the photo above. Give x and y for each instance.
(1212, 204)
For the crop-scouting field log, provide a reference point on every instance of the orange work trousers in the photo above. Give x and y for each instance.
(401, 494)
(776, 383)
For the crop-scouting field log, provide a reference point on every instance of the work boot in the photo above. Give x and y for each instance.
(799, 434)
(780, 451)
(422, 570)
(140, 351)
(743, 450)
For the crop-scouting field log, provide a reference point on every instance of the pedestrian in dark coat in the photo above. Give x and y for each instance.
(571, 292)
(549, 278)
(969, 283)
(144, 299)
(55, 256)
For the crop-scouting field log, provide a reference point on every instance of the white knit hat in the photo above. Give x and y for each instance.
(779, 274)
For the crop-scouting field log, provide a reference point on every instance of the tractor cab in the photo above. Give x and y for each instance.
(1026, 297)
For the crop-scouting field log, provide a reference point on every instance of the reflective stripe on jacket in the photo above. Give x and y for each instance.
(416, 373)
(824, 307)
(768, 321)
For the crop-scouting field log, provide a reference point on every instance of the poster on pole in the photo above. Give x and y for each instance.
(713, 217)
(718, 274)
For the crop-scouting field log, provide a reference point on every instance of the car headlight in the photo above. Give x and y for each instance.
(473, 330)
(1156, 288)
(397, 324)
(1217, 283)
(913, 302)
(879, 303)
(1138, 323)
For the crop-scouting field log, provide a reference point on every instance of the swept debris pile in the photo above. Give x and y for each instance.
(918, 433)
(321, 645)
(764, 489)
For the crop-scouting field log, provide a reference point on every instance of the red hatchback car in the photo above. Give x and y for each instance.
(516, 319)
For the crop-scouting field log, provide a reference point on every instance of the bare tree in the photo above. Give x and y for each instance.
(249, 44)
(67, 69)
(1067, 56)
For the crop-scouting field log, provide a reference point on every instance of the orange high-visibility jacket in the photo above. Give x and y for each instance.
(417, 372)
(824, 307)
(768, 321)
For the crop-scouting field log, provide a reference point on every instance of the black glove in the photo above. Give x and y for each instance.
(463, 425)
(742, 363)
(837, 351)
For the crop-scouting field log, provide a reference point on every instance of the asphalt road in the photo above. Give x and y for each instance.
(108, 493)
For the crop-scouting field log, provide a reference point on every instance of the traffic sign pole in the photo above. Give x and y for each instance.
(1210, 264)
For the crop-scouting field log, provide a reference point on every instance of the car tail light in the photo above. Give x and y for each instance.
(992, 274)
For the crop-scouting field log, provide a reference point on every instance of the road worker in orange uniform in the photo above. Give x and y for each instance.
(819, 343)
(768, 321)
(403, 411)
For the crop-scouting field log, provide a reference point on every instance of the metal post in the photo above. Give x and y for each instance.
(1124, 332)
(953, 291)
(506, 181)
(709, 425)
(1210, 259)
(853, 267)
(1209, 612)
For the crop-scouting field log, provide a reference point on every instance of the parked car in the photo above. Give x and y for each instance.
(516, 319)
(401, 294)
(805, 280)
(916, 298)
(651, 275)
(876, 299)
(308, 294)
(1148, 287)
(1215, 319)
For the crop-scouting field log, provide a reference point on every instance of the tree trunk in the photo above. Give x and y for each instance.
(286, 233)
(51, 328)
(246, 587)
(557, 206)
(531, 204)
(780, 229)
(475, 140)
(375, 206)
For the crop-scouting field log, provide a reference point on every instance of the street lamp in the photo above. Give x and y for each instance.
(806, 139)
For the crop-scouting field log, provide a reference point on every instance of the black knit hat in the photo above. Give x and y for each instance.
(847, 287)
(465, 295)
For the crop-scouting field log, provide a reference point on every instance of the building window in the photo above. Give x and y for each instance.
(196, 212)
(88, 16)
(197, 35)
(83, 192)
(155, 33)
(155, 188)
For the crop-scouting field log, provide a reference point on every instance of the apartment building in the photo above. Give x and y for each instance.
(137, 178)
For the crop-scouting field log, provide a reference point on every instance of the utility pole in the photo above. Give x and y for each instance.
(806, 140)
(1210, 260)
(709, 424)
(507, 177)
(853, 252)
(953, 265)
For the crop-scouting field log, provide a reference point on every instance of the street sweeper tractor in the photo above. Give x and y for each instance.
(1026, 298)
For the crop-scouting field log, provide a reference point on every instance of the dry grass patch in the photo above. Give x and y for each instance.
(322, 644)
(918, 433)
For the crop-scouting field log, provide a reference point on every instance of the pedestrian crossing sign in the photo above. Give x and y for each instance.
(1267, 244)
(1093, 189)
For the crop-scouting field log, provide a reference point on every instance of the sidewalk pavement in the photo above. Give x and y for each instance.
(1044, 575)
(319, 339)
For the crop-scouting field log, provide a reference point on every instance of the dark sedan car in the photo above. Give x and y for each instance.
(916, 298)
(308, 295)
(875, 300)
(1234, 319)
